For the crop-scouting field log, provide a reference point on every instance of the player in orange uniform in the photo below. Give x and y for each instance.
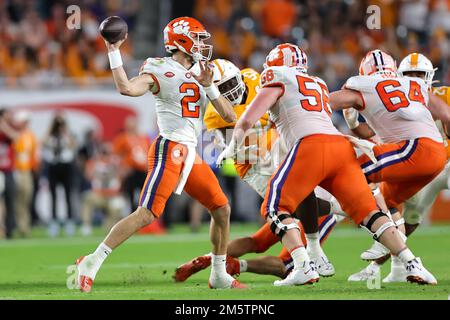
(240, 87)
(181, 99)
(415, 65)
(319, 155)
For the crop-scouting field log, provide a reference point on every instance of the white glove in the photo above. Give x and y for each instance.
(219, 140)
(365, 146)
(232, 150)
(229, 152)
(351, 118)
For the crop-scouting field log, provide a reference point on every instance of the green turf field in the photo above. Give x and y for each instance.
(142, 268)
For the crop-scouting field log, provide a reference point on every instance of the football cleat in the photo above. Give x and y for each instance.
(305, 275)
(372, 270)
(233, 266)
(398, 271)
(224, 282)
(84, 282)
(376, 251)
(416, 273)
(183, 272)
(324, 266)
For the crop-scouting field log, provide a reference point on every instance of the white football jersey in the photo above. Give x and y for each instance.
(395, 108)
(303, 109)
(180, 100)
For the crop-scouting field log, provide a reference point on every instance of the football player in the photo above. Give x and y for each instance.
(412, 152)
(240, 88)
(415, 65)
(319, 154)
(181, 99)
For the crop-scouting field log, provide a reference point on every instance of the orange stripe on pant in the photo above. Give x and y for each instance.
(404, 168)
(325, 160)
(165, 165)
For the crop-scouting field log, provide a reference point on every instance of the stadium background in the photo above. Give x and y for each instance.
(47, 70)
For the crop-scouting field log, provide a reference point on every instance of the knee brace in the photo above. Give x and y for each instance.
(278, 227)
(377, 233)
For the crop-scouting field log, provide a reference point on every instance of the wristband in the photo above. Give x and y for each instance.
(115, 59)
(212, 92)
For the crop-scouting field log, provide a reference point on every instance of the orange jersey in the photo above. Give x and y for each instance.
(25, 148)
(261, 131)
(132, 149)
(444, 94)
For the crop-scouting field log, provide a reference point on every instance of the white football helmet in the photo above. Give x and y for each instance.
(416, 62)
(377, 62)
(228, 80)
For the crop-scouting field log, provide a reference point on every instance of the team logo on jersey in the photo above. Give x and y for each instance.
(169, 74)
(181, 27)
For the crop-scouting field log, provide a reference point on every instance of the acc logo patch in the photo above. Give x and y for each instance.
(188, 75)
(169, 74)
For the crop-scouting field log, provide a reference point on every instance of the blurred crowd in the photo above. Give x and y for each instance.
(334, 33)
(37, 49)
(94, 176)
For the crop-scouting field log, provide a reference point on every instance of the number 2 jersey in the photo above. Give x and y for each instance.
(302, 109)
(395, 108)
(180, 100)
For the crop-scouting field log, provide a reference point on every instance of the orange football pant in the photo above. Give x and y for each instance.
(325, 160)
(165, 160)
(404, 168)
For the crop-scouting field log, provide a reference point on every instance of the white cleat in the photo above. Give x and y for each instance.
(398, 271)
(224, 281)
(416, 272)
(86, 271)
(305, 275)
(376, 251)
(371, 271)
(324, 267)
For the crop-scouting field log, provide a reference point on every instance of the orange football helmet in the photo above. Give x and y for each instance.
(378, 62)
(289, 55)
(187, 34)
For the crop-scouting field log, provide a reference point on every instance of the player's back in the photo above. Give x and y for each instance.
(302, 109)
(180, 100)
(395, 107)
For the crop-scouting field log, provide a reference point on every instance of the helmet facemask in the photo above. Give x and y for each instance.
(200, 51)
(232, 89)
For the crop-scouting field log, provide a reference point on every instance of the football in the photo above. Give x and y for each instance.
(113, 29)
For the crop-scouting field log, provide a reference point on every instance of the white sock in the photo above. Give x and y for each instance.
(102, 252)
(395, 261)
(406, 255)
(313, 241)
(299, 255)
(218, 262)
(243, 265)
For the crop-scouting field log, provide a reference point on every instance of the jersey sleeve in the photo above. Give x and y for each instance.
(153, 67)
(272, 77)
(358, 83)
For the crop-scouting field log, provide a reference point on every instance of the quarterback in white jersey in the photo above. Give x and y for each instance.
(174, 166)
(319, 155)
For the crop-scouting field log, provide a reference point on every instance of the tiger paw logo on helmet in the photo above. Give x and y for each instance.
(181, 27)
